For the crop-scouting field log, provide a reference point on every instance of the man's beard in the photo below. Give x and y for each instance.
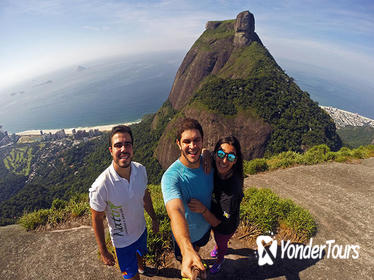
(185, 155)
(127, 162)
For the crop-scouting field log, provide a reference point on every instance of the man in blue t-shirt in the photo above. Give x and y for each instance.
(183, 180)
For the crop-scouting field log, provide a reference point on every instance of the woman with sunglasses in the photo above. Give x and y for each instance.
(226, 198)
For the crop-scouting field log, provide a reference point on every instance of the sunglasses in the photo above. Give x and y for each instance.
(230, 156)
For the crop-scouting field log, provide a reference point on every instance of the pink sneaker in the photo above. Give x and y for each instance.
(214, 252)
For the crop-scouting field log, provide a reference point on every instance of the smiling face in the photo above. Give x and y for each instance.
(224, 166)
(121, 150)
(190, 144)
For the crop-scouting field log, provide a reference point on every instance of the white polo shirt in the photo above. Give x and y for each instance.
(122, 202)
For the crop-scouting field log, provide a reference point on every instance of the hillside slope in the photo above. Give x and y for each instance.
(339, 195)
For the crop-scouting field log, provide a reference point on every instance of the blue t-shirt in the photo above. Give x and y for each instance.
(185, 183)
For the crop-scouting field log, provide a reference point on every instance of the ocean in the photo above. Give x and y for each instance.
(116, 90)
(123, 89)
(331, 88)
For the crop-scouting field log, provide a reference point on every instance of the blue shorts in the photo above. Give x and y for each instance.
(126, 256)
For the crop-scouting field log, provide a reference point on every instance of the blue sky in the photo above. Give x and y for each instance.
(42, 36)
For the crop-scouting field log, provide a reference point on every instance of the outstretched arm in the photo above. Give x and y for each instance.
(98, 227)
(190, 258)
(148, 206)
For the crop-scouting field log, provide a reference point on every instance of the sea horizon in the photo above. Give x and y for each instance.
(103, 92)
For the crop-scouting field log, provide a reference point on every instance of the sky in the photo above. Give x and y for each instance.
(38, 37)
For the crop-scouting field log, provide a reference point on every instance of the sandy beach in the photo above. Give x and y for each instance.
(68, 131)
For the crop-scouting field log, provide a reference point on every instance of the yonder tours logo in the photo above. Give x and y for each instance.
(268, 254)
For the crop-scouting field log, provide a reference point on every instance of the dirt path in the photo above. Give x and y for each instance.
(340, 196)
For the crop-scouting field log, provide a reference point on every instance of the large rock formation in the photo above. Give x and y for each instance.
(210, 54)
(224, 69)
(245, 30)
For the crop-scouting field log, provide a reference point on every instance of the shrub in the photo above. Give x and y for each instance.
(360, 152)
(299, 220)
(346, 152)
(60, 212)
(35, 219)
(78, 209)
(260, 207)
(264, 210)
(78, 205)
(284, 160)
(256, 165)
(331, 156)
(58, 204)
(57, 217)
(316, 154)
(158, 243)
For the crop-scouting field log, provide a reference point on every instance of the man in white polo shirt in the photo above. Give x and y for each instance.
(120, 193)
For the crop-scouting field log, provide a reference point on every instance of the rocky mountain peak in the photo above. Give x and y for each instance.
(232, 85)
(210, 54)
(244, 29)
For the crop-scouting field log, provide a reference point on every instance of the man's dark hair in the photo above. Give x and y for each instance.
(120, 129)
(187, 124)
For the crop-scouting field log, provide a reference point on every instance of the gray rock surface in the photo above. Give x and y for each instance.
(244, 29)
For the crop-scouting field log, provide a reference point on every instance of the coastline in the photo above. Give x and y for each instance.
(69, 131)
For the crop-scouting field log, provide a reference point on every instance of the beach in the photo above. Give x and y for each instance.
(69, 131)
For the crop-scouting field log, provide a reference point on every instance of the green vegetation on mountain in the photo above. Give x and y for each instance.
(224, 30)
(251, 61)
(63, 175)
(10, 183)
(296, 120)
(356, 136)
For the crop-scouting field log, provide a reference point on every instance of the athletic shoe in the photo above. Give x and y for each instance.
(216, 267)
(214, 252)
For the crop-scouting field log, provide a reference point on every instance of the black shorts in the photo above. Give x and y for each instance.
(200, 243)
